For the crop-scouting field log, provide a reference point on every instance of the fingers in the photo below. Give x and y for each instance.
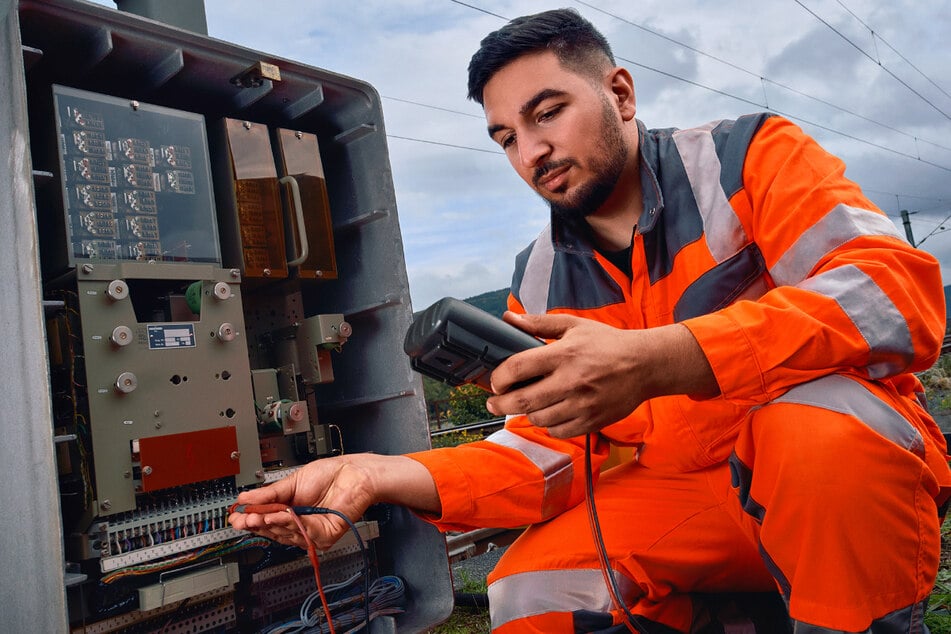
(544, 326)
(282, 491)
(324, 531)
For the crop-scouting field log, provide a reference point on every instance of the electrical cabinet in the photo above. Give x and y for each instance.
(204, 290)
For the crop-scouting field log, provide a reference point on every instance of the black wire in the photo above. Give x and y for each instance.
(320, 510)
(633, 619)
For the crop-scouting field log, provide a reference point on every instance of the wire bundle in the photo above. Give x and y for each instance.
(209, 552)
(387, 597)
(295, 512)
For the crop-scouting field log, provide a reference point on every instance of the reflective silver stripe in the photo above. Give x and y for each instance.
(875, 315)
(841, 224)
(722, 229)
(531, 593)
(837, 393)
(556, 467)
(533, 291)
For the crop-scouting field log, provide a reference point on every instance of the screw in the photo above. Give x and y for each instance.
(127, 475)
(266, 272)
(106, 505)
(235, 455)
(158, 424)
(259, 474)
(234, 273)
(146, 470)
(247, 125)
(134, 104)
(88, 268)
(299, 134)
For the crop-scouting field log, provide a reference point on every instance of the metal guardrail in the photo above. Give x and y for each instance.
(483, 426)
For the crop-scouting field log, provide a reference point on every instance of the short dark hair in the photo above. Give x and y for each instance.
(577, 44)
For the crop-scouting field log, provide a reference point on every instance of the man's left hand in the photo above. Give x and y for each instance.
(593, 374)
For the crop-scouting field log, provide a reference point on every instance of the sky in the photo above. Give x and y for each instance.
(869, 79)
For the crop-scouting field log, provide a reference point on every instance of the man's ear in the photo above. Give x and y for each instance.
(621, 85)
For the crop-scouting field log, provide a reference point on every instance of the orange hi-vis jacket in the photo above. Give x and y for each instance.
(752, 237)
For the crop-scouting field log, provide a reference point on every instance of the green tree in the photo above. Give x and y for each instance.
(467, 405)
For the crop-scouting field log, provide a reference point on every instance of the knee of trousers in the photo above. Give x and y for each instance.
(819, 431)
(837, 482)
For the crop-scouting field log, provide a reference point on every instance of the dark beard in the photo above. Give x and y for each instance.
(589, 197)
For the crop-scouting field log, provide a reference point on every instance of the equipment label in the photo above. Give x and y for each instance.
(164, 336)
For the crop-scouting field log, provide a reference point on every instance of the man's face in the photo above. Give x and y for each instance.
(560, 132)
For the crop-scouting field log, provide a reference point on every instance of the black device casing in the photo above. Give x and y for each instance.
(457, 343)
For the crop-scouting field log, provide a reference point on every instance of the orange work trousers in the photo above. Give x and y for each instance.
(835, 509)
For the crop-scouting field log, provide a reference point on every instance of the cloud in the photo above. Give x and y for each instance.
(464, 211)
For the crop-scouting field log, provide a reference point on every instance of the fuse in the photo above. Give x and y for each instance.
(145, 250)
(90, 142)
(138, 175)
(99, 249)
(144, 227)
(99, 223)
(180, 181)
(135, 150)
(92, 169)
(95, 196)
(141, 201)
(89, 120)
(178, 156)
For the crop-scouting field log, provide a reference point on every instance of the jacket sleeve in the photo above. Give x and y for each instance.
(848, 294)
(517, 476)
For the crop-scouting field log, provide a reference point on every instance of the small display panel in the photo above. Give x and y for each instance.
(136, 180)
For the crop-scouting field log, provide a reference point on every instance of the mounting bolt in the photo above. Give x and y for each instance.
(158, 424)
(247, 125)
(127, 475)
(235, 455)
(88, 268)
(259, 474)
(235, 273)
(106, 505)
(134, 104)
(146, 470)
(266, 272)
(299, 134)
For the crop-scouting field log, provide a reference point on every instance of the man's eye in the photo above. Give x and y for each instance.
(507, 141)
(549, 114)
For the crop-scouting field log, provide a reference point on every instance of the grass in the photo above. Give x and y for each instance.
(466, 620)
(938, 616)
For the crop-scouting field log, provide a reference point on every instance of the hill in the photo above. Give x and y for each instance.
(492, 302)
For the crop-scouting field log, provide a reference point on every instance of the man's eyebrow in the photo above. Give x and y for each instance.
(495, 128)
(528, 106)
(539, 97)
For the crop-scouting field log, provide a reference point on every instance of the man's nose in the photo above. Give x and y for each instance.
(532, 150)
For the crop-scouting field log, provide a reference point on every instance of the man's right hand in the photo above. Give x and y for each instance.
(349, 484)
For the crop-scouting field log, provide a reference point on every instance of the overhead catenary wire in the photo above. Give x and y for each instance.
(763, 79)
(764, 105)
(878, 37)
(725, 93)
(882, 66)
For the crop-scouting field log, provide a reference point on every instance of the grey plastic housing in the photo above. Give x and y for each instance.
(376, 398)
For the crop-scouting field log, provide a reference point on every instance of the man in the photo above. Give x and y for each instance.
(724, 301)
